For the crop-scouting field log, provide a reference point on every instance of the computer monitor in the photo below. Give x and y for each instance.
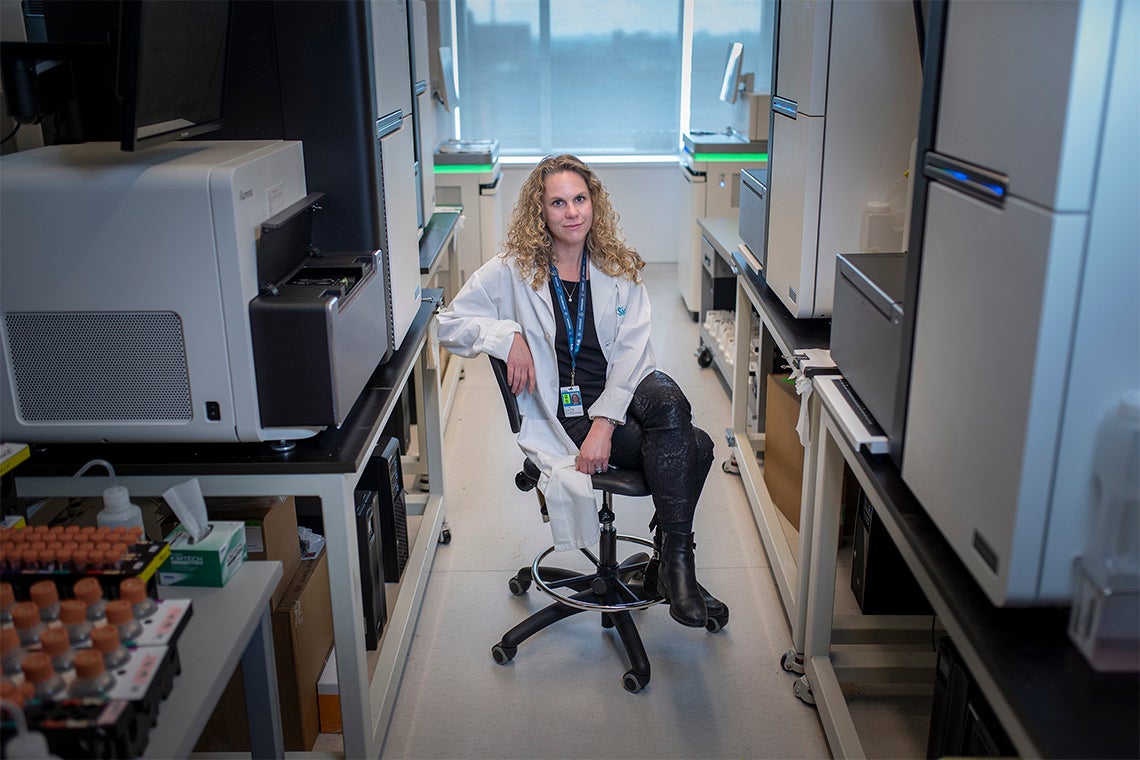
(172, 69)
(141, 72)
(733, 82)
(443, 78)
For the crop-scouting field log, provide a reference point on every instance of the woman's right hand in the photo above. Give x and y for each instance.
(520, 366)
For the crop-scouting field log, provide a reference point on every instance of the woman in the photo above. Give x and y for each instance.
(565, 307)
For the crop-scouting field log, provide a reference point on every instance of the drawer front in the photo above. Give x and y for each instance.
(753, 226)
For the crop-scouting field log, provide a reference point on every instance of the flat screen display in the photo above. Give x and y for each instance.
(173, 61)
(730, 84)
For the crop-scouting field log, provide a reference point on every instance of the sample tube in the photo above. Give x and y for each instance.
(80, 559)
(73, 615)
(106, 640)
(46, 597)
(134, 591)
(26, 617)
(89, 591)
(121, 615)
(91, 676)
(39, 671)
(57, 646)
(7, 602)
(11, 691)
(12, 655)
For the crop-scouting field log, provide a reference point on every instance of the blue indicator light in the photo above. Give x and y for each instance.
(960, 176)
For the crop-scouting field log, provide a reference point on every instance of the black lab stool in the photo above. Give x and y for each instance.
(613, 588)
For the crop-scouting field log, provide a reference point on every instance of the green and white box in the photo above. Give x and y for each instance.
(210, 562)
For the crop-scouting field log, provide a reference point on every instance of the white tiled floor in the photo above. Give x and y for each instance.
(711, 696)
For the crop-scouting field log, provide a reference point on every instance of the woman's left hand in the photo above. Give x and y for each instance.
(594, 455)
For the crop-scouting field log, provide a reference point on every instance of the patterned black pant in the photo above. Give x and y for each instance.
(659, 438)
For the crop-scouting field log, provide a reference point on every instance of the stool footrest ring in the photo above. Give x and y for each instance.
(550, 590)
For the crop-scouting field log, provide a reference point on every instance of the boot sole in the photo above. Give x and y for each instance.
(719, 611)
(686, 623)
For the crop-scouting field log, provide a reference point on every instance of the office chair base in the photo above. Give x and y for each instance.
(612, 588)
(633, 680)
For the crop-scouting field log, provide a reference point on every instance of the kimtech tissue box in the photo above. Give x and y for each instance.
(210, 562)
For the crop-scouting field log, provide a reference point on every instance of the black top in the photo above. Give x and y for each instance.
(590, 371)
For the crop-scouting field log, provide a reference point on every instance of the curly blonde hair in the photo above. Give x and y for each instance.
(529, 240)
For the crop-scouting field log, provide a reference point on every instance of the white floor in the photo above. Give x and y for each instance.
(718, 695)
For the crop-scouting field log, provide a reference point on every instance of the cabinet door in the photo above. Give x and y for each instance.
(403, 254)
(793, 219)
(1023, 90)
(801, 66)
(419, 37)
(391, 62)
(994, 323)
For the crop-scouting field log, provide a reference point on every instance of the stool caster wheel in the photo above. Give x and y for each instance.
(704, 357)
(502, 654)
(716, 624)
(607, 621)
(634, 682)
(445, 536)
(518, 586)
(792, 662)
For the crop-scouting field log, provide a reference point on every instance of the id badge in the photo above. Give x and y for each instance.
(572, 401)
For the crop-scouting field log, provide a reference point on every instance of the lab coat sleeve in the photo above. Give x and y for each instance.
(478, 319)
(630, 359)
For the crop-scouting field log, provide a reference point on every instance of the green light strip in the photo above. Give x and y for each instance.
(463, 168)
(712, 157)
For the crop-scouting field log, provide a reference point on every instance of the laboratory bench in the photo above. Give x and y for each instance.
(726, 269)
(718, 239)
(1045, 696)
(780, 334)
(1042, 691)
(227, 626)
(327, 466)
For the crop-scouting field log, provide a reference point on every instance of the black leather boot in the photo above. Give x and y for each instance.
(677, 580)
(713, 606)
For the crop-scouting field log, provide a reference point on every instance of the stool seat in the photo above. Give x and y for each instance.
(613, 480)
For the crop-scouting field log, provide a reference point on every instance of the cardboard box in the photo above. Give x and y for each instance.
(302, 640)
(270, 532)
(783, 454)
(210, 562)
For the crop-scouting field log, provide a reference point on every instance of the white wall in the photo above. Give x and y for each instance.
(648, 198)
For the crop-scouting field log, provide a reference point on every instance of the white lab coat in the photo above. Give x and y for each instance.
(492, 306)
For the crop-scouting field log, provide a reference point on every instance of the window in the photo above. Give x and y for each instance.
(716, 25)
(594, 77)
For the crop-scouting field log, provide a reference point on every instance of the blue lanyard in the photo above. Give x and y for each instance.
(573, 335)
